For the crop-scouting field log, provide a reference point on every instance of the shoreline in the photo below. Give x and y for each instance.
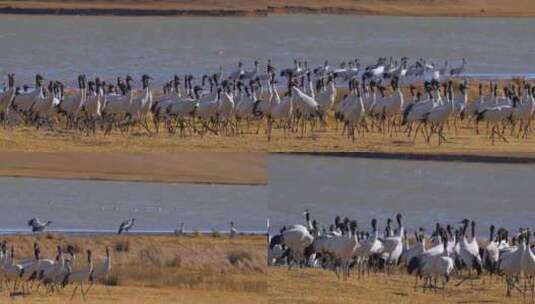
(132, 12)
(442, 157)
(240, 8)
(5, 232)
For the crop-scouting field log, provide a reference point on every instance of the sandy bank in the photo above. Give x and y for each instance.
(260, 8)
(199, 167)
(464, 8)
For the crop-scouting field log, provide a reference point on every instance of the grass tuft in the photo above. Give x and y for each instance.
(151, 256)
(122, 246)
(239, 257)
(111, 280)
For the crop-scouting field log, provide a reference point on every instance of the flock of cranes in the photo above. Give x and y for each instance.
(345, 247)
(390, 97)
(23, 275)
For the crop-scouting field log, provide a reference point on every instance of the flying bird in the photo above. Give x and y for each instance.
(37, 225)
(126, 225)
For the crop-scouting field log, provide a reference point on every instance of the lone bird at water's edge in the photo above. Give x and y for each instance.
(233, 230)
(180, 230)
(37, 225)
(126, 225)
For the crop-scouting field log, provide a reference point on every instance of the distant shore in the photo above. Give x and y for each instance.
(256, 8)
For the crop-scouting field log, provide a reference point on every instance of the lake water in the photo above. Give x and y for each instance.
(78, 206)
(424, 191)
(63, 46)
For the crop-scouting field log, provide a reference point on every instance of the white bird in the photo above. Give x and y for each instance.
(491, 255)
(33, 269)
(433, 255)
(387, 108)
(354, 111)
(281, 110)
(495, 115)
(327, 97)
(180, 230)
(417, 249)
(233, 230)
(372, 245)
(23, 102)
(117, 105)
(249, 75)
(321, 70)
(468, 250)
(235, 75)
(80, 276)
(393, 246)
(343, 247)
(297, 238)
(438, 117)
(102, 270)
(512, 264)
(433, 266)
(7, 96)
(140, 105)
(37, 225)
(307, 105)
(126, 225)
(10, 270)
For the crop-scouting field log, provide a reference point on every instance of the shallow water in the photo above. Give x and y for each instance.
(63, 46)
(99, 206)
(424, 191)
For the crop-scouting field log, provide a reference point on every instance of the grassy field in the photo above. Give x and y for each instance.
(318, 286)
(163, 269)
(520, 8)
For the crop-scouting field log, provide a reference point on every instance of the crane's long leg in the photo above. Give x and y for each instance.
(74, 292)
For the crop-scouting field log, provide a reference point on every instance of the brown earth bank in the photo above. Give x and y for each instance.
(158, 269)
(185, 167)
(467, 8)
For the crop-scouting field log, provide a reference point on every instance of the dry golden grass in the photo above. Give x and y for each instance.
(144, 295)
(31, 140)
(320, 286)
(163, 269)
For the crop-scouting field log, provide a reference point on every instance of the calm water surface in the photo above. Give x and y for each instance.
(79, 205)
(63, 46)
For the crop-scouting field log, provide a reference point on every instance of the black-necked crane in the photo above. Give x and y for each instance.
(126, 225)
